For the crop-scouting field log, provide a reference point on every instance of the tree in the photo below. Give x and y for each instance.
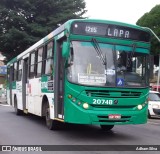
(152, 20)
(24, 22)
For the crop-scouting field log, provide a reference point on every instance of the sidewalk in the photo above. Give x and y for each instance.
(3, 100)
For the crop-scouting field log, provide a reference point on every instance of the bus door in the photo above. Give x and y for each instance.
(24, 83)
(59, 82)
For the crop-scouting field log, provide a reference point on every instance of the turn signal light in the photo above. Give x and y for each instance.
(69, 96)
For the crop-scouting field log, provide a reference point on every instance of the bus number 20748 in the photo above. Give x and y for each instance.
(102, 101)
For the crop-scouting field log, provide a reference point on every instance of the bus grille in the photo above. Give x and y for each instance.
(124, 107)
(111, 93)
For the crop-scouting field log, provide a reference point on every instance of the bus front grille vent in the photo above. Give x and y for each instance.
(111, 93)
(117, 107)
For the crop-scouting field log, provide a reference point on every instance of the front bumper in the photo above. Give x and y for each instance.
(78, 115)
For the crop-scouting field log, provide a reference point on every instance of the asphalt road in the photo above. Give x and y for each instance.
(31, 130)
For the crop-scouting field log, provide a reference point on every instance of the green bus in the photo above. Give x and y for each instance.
(85, 72)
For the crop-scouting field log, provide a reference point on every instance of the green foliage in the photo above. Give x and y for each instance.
(24, 22)
(152, 20)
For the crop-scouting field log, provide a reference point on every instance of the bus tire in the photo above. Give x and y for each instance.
(106, 127)
(51, 124)
(17, 111)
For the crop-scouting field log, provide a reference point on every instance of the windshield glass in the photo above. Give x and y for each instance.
(114, 66)
(154, 96)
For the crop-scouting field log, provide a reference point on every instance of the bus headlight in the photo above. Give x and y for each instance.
(139, 107)
(85, 106)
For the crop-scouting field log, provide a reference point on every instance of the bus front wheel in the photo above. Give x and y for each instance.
(51, 124)
(107, 127)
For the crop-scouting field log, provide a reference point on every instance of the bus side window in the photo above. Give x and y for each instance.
(39, 62)
(12, 73)
(32, 65)
(8, 74)
(15, 72)
(49, 58)
(19, 73)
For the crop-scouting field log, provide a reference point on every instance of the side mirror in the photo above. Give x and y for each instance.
(65, 49)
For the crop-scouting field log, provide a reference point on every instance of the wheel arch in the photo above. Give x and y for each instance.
(44, 103)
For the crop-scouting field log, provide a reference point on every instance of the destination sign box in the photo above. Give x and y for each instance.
(109, 30)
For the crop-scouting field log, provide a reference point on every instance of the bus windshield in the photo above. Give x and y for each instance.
(123, 66)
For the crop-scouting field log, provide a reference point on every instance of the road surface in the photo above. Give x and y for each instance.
(31, 130)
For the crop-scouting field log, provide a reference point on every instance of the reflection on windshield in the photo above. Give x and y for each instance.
(122, 69)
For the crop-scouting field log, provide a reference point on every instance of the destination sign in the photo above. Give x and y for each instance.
(109, 30)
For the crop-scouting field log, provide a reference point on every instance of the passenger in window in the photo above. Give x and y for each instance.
(120, 65)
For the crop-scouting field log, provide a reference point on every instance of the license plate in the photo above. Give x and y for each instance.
(114, 116)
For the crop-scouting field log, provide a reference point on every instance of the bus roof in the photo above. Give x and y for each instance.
(67, 26)
(108, 22)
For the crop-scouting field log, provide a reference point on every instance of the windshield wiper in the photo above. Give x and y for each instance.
(99, 52)
(129, 58)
